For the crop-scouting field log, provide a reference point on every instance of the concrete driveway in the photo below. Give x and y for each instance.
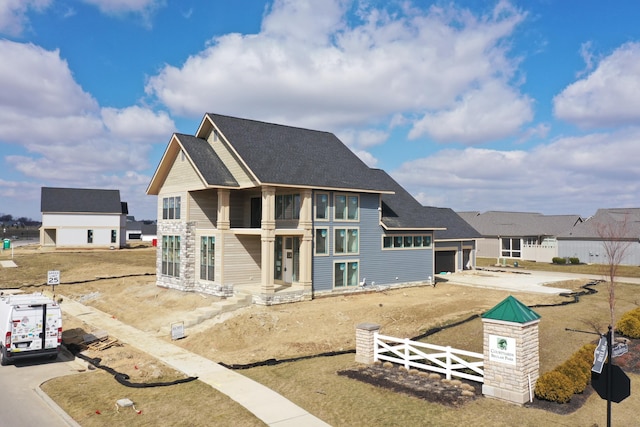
(513, 281)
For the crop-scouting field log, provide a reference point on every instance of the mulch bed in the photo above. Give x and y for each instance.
(433, 388)
(420, 384)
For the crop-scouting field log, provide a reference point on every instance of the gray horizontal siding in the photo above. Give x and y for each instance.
(376, 265)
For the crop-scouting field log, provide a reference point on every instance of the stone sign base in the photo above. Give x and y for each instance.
(519, 398)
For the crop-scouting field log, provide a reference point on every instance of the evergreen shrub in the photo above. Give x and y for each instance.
(629, 324)
(554, 386)
(558, 260)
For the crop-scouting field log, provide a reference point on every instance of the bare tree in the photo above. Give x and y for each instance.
(616, 238)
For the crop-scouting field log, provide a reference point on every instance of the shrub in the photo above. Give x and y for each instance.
(558, 260)
(629, 324)
(554, 386)
(574, 260)
(577, 372)
(572, 377)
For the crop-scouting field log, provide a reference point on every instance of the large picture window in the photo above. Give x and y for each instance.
(207, 257)
(406, 241)
(288, 206)
(171, 256)
(511, 247)
(346, 208)
(346, 241)
(345, 274)
(171, 207)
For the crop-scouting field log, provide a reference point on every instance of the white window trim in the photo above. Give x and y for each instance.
(328, 242)
(346, 230)
(346, 265)
(333, 210)
(315, 207)
(403, 248)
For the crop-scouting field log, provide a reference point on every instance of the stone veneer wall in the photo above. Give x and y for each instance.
(186, 231)
(512, 383)
(281, 297)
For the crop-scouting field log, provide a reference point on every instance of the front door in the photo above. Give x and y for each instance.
(287, 253)
(288, 266)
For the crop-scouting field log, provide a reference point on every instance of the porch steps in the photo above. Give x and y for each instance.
(204, 317)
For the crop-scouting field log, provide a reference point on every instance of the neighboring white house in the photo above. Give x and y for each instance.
(519, 235)
(615, 228)
(80, 217)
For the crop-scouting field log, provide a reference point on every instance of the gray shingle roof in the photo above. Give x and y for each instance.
(616, 220)
(518, 224)
(401, 210)
(207, 161)
(287, 155)
(457, 228)
(80, 200)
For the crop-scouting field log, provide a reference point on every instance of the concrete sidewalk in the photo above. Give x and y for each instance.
(269, 406)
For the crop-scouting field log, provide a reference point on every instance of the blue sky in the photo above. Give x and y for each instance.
(474, 105)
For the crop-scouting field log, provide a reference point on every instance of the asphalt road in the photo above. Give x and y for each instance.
(21, 402)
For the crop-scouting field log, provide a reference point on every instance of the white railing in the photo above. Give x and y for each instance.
(435, 358)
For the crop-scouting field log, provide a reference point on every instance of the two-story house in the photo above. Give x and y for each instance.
(283, 213)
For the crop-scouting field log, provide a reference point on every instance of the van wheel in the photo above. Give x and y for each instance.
(3, 358)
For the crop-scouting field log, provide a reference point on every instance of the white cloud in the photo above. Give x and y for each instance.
(572, 171)
(138, 124)
(13, 14)
(145, 9)
(319, 65)
(609, 96)
(124, 6)
(491, 112)
(65, 134)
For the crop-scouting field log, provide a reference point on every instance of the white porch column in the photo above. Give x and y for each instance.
(268, 237)
(306, 246)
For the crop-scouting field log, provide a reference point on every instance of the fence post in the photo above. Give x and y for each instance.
(365, 342)
(448, 362)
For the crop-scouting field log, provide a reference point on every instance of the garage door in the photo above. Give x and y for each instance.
(445, 261)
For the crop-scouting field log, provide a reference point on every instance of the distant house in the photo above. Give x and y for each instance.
(80, 217)
(286, 214)
(140, 230)
(519, 235)
(586, 241)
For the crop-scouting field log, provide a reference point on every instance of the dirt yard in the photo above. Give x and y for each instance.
(122, 283)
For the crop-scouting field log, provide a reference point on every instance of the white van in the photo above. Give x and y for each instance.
(30, 326)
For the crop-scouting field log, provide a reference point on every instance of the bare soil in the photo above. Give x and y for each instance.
(122, 283)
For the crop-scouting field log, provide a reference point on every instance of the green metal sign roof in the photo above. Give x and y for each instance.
(511, 310)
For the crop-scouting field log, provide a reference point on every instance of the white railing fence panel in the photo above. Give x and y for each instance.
(429, 357)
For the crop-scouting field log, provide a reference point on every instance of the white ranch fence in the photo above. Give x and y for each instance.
(435, 358)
